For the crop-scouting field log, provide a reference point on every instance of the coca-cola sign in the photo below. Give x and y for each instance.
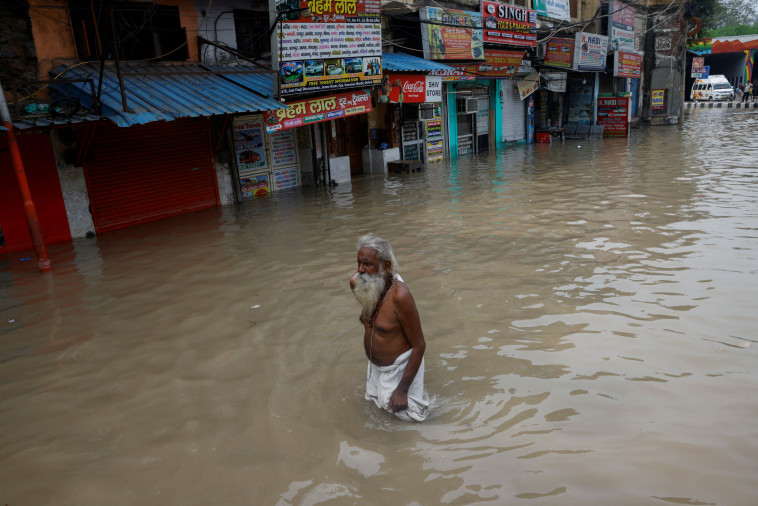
(410, 89)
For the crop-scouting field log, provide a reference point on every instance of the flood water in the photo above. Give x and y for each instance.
(589, 310)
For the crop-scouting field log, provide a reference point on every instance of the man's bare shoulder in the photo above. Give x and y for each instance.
(402, 294)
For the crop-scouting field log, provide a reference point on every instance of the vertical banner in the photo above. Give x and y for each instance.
(613, 114)
(249, 143)
(621, 26)
(451, 34)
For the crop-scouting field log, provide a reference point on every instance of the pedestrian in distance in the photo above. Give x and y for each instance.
(755, 89)
(392, 336)
(740, 91)
(747, 92)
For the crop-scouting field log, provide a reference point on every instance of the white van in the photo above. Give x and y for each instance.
(712, 88)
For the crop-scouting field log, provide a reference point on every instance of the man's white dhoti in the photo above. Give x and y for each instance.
(381, 382)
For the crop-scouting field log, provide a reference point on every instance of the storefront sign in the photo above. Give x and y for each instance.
(451, 34)
(285, 178)
(410, 89)
(497, 64)
(621, 26)
(560, 53)
(613, 114)
(283, 148)
(555, 9)
(256, 185)
(509, 24)
(528, 85)
(627, 64)
(434, 128)
(556, 81)
(658, 99)
(338, 46)
(589, 52)
(318, 109)
(453, 75)
(434, 150)
(249, 143)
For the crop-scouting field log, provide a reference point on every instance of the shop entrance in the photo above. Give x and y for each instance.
(473, 125)
(350, 135)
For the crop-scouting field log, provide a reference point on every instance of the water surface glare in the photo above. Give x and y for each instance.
(589, 309)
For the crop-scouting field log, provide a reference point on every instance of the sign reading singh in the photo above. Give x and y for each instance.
(509, 24)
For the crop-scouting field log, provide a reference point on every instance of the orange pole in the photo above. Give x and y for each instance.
(32, 220)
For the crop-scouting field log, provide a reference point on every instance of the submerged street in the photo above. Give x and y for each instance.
(588, 308)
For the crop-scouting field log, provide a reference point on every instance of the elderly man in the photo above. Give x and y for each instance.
(392, 335)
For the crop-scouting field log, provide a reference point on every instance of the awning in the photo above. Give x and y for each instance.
(165, 92)
(401, 62)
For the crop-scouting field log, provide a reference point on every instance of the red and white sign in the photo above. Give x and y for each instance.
(613, 114)
(627, 64)
(509, 24)
(316, 110)
(410, 89)
(497, 63)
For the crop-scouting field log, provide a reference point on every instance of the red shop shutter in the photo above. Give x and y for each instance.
(144, 173)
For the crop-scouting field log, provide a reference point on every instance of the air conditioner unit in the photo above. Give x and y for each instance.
(541, 50)
(426, 113)
(472, 105)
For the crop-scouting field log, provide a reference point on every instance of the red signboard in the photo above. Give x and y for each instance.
(627, 64)
(330, 11)
(560, 53)
(497, 63)
(408, 89)
(613, 114)
(509, 24)
(318, 109)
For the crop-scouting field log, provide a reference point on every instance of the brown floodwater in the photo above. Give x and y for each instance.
(589, 309)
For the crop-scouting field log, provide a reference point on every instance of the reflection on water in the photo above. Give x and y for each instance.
(588, 308)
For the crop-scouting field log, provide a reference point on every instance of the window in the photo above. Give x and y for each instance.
(142, 31)
(252, 30)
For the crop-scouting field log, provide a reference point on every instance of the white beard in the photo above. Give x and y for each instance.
(368, 289)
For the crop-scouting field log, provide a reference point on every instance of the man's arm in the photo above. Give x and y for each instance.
(408, 317)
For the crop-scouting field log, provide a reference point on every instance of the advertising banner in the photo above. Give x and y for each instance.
(590, 50)
(613, 114)
(658, 99)
(283, 150)
(285, 178)
(434, 128)
(451, 34)
(509, 24)
(338, 46)
(556, 81)
(318, 109)
(528, 85)
(410, 89)
(249, 143)
(497, 64)
(627, 64)
(621, 26)
(554, 9)
(256, 185)
(560, 53)
(434, 150)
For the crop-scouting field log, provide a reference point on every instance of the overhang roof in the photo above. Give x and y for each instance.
(401, 62)
(165, 92)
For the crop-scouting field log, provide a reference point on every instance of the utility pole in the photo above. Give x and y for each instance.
(683, 61)
(32, 220)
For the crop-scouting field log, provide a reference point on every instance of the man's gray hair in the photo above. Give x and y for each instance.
(382, 248)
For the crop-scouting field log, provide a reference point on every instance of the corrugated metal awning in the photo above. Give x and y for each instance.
(165, 92)
(401, 62)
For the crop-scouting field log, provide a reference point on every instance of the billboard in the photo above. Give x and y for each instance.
(559, 53)
(590, 50)
(627, 64)
(621, 26)
(509, 24)
(338, 45)
(554, 9)
(613, 114)
(497, 63)
(451, 34)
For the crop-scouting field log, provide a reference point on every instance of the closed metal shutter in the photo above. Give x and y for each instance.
(144, 173)
(514, 114)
